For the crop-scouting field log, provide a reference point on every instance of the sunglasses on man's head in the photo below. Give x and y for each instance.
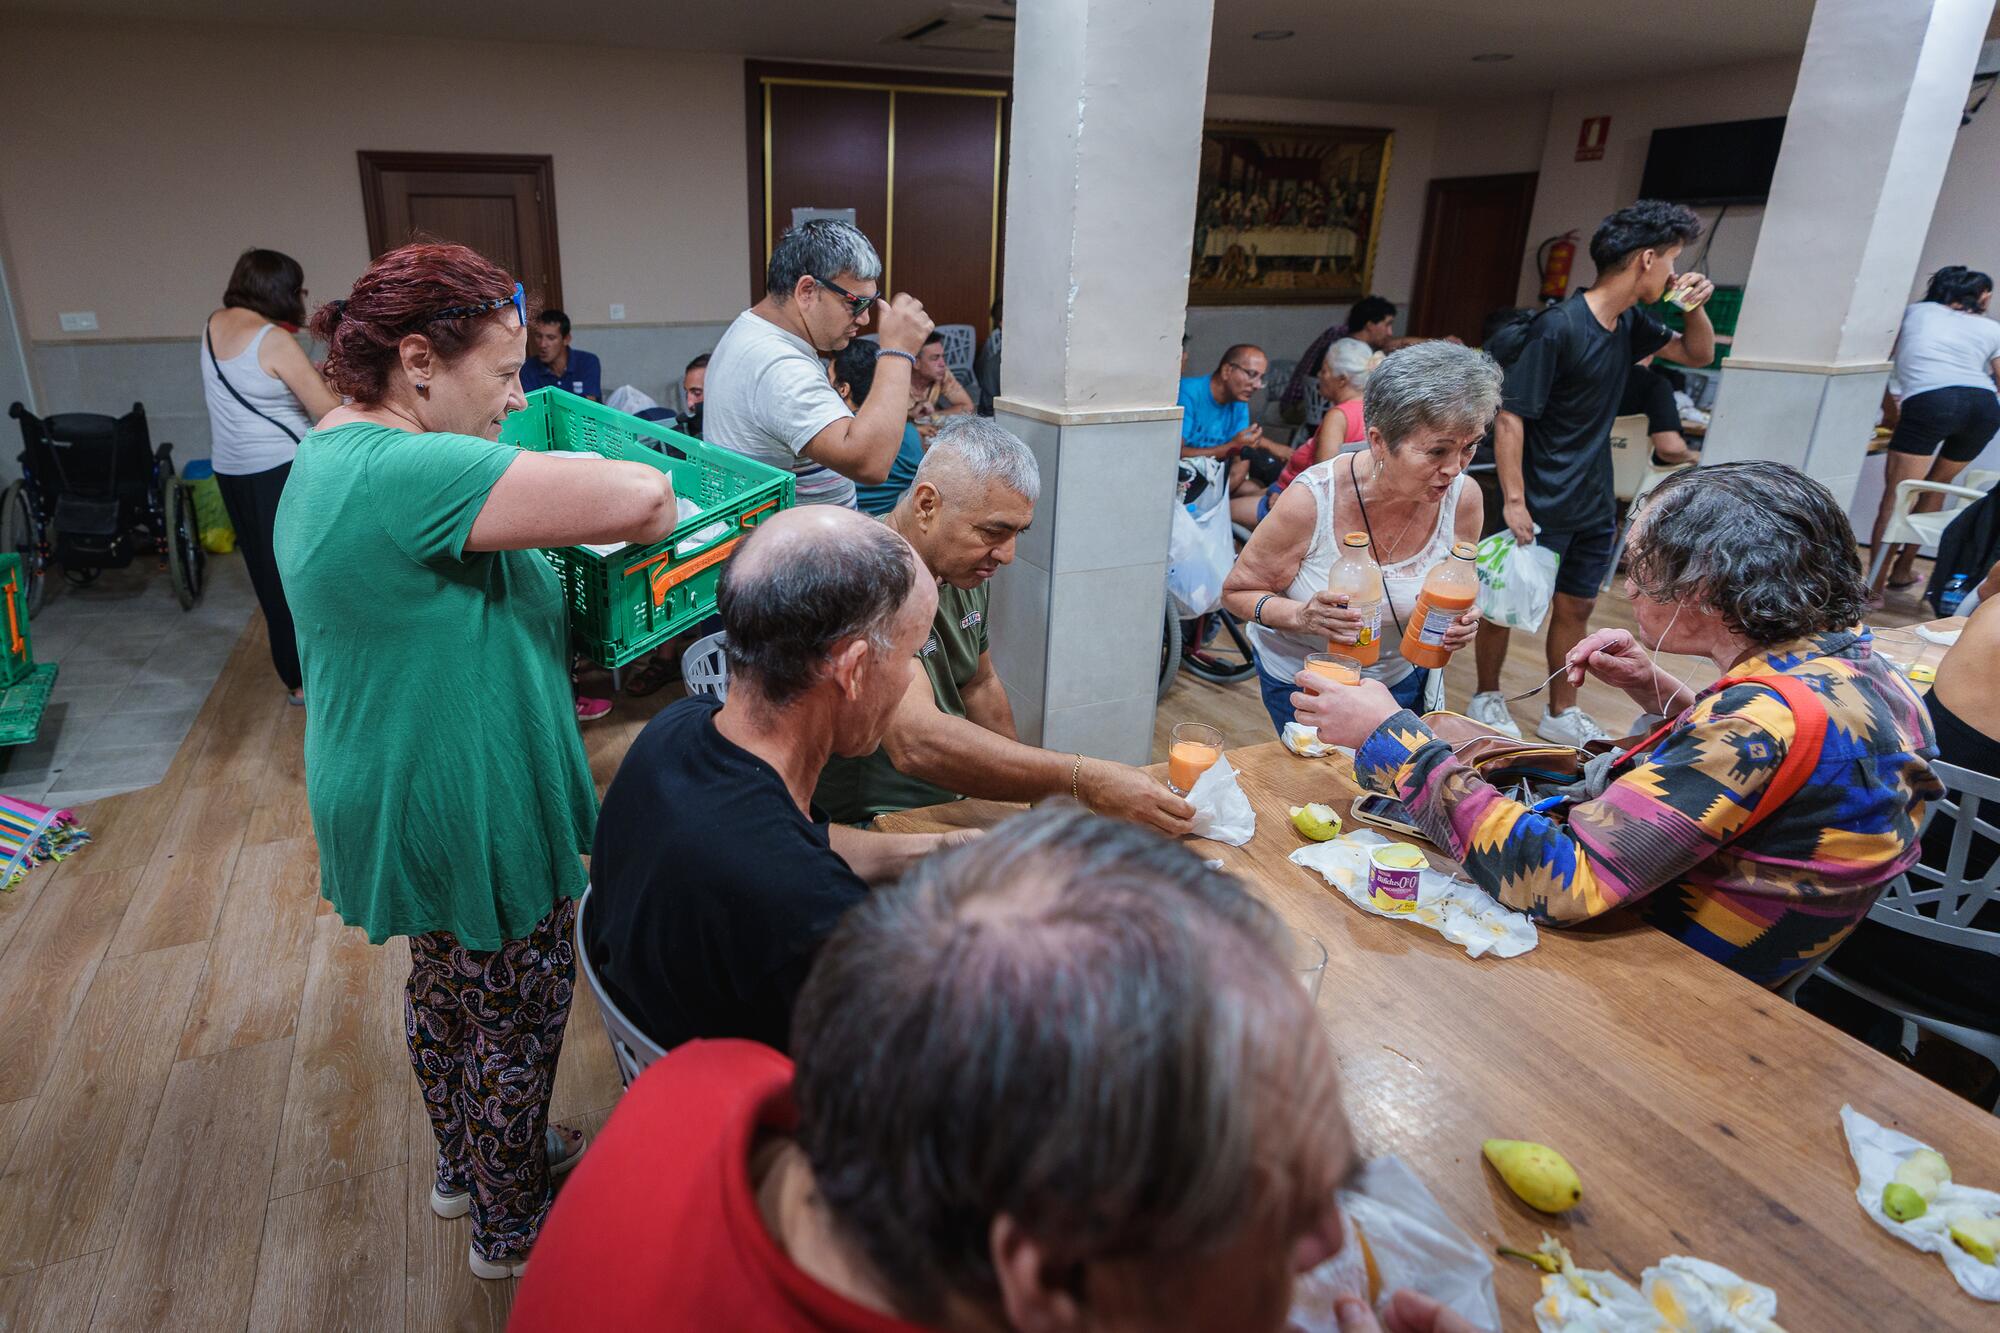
(856, 305)
(519, 300)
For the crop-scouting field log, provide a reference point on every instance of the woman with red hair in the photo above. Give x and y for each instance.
(448, 785)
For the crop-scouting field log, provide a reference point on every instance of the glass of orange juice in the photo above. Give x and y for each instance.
(1196, 746)
(1340, 670)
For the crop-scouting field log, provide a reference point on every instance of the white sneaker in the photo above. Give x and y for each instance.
(1572, 726)
(1490, 709)
(495, 1269)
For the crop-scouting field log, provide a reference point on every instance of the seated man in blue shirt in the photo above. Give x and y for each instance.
(556, 363)
(1215, 413)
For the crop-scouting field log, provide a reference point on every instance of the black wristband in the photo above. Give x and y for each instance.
(1257, 611)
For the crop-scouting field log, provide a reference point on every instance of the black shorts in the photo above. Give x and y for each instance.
(1586, 558)
(1963, 418)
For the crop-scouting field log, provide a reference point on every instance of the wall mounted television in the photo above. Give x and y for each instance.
(1728, 162)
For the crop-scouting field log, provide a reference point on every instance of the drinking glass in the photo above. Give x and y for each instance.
(1340, 670)
(1308, 960)
(1195, 748)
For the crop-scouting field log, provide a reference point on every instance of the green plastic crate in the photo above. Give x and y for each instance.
(624, 604)
(23, 703)
(17, 659)
(1724, 307)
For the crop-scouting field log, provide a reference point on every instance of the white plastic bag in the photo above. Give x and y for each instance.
(626, 398)
(1457, 909)
(1877, 1151)
(1200, 546)
(1222, 812)
(1516, 582)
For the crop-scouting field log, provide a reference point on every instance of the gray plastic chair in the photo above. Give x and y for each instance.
(1940, 904)
(704, 666)
(633, 1049)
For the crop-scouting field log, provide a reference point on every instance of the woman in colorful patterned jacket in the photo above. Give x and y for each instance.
(1704, 829)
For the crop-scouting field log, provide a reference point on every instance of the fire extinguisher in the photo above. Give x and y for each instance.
(1554, 257)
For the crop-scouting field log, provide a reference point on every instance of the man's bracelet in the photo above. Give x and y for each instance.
(1076, 770)
(897, 351)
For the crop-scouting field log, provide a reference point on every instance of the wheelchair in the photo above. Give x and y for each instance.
(93, 494)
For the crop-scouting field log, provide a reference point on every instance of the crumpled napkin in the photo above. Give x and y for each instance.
(1708, 1297)
(1877, 1151)
(1457, 909)
(1391, 1219)
(1304, 741)
(1221, 811)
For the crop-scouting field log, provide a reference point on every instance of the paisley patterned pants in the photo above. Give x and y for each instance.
(484, 1031)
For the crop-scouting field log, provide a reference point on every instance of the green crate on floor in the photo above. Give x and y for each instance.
(23, 703)
(627, 602)
(17, 659)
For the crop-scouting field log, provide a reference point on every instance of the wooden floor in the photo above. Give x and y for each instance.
(207, 1116)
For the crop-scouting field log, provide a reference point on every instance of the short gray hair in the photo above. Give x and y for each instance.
(821, 248)
(1432, 386)
(784, 610)
(1351, 359)
(984, 450)
(1071, 1021)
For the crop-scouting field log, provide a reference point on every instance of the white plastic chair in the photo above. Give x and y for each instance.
(631, 1048)
(960, 345)
(1905, 525)
(1940, 904)
(704, 668)
(1634, 476)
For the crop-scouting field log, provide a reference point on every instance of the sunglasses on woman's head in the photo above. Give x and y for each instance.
(856, 305)
(519, 300)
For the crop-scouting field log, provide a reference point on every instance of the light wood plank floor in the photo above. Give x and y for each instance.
(207, 1118)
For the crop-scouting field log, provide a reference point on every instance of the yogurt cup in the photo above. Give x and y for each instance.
(1393, 874)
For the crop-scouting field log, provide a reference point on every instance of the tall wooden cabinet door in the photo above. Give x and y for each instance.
(502, 206)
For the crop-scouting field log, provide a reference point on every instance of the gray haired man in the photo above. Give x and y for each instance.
(767, 391)
(953, 734)
(1056, 1081)
(714, 879)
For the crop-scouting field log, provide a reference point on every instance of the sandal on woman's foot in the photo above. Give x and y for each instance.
(1897, 585)
(654, 674)
(564, 1147)
(589, 709)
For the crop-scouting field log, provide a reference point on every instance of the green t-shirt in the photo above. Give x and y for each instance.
(446, 778)
(853, 791)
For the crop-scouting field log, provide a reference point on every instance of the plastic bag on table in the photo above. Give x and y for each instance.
(1457, 909)
(1398, 1235)
(1201, 547)
(1221, 811)
(1877, 1151)
(1516, 582)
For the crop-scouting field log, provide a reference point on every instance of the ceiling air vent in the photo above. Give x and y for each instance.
(969, 28)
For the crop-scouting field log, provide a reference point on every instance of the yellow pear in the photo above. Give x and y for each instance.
(1541, 1176)
(1318, 822)
(1977, 1236)
(1924, 1171)
(1902, 1202)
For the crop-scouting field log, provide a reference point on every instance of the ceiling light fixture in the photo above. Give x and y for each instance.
(1492, 57)
(1273, 35)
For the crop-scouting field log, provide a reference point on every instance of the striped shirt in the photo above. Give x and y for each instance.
(1663, 836)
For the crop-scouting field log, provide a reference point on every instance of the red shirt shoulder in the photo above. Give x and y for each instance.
(658, 1227)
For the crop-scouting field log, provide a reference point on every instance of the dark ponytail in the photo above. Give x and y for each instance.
(1958, 286)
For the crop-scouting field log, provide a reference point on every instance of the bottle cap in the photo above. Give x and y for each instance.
(1465, 550)
(1355, 539)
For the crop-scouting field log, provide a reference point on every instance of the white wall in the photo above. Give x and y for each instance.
(1575, 196)
(1965, 229)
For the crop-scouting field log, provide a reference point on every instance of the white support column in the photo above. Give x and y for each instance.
(1108, 99)
(1880, 91)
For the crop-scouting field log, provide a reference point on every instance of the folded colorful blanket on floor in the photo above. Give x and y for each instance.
(31, 834)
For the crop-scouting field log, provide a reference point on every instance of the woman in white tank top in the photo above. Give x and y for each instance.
(1427, 407)
(263, 396)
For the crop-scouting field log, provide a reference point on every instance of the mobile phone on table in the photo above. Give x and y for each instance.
(1382, 812)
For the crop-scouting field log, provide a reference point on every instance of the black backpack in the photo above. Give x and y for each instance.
(1504, 341)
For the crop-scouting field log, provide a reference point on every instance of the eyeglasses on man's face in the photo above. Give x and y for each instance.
(1253, 376)
(857, 306)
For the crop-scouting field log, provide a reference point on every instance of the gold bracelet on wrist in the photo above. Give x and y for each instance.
(1075, 771)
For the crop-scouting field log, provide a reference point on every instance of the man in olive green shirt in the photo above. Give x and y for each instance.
(953, 734)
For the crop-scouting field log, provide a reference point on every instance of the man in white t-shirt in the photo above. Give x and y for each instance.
(768, 396)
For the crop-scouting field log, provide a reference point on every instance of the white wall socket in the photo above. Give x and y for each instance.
(617, 312)
(79, 321)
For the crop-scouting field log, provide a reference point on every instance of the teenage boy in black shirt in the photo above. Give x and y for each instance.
(1552, 437)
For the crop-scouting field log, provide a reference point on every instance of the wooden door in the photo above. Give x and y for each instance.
(1475, 232)
(502, 206)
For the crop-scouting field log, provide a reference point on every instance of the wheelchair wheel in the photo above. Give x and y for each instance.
(1170, 650)
(187, 563)
(21, 533)
(1224, 664)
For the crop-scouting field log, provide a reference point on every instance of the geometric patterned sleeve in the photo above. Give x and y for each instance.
(1664, 815)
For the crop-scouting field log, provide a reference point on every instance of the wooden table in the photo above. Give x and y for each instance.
(1702, 1112)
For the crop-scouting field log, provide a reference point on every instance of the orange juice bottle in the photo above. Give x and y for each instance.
(1449, 589)
(1356, 577)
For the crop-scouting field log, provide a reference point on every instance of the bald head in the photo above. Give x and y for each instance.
(803, 581)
